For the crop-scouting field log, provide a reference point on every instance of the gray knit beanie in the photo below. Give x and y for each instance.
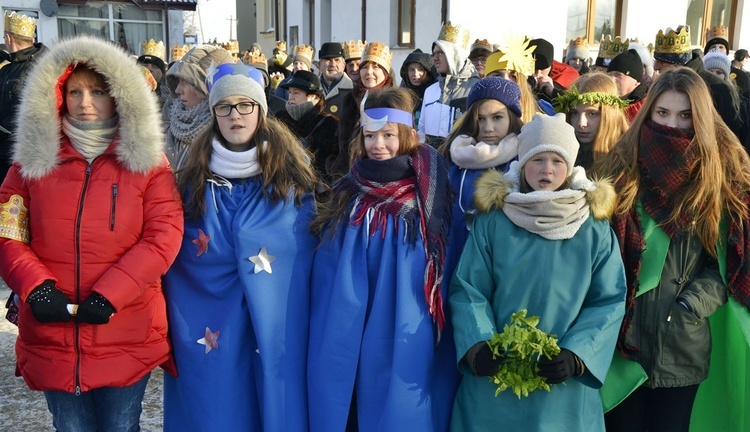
(548, 133)
(193, 67)
(717, 60)
(236, 79)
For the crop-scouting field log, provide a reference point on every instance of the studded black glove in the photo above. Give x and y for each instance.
(48, 304)
(95, 310)
(560, 367)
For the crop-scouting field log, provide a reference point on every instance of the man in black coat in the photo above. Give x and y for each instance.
(19, 39)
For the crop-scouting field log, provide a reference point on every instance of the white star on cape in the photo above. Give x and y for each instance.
(263, 261)
(210, 340)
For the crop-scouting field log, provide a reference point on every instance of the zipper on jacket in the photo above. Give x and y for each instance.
(113, 208)
(682, 280)
(77, 240)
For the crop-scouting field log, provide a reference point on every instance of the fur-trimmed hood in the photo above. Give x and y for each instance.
(39, 132)
(492, 187)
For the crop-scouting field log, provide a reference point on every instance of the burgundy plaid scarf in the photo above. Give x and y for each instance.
(661, 147)
(413, 187)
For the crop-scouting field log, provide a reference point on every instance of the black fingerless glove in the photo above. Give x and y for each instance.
(481, 361)
(560, 367)
(48, 304)
(95, 310)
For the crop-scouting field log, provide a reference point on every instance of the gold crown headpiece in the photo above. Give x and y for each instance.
(481, 44)
(232, 46)
(578, 42)
(19, 24)
(673, 43)
(258, 59)
(353, 50)
(378, 53)
(609, 48)
(281, 45)
(455, 34)
(514, 54)
(178, 52)
(153, 48)
(305, 51)
(717, 32)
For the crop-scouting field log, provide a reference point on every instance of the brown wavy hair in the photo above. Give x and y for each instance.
(719, 178)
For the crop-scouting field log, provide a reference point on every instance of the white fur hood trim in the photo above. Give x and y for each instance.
(39, 121)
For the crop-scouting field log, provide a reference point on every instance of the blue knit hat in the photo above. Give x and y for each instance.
(499, 89)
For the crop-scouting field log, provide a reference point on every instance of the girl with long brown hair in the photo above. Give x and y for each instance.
(682, 222)
(238, 292)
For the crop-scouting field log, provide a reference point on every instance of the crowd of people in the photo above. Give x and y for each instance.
(315, 246)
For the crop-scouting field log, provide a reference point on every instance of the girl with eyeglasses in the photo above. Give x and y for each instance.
(238, 291)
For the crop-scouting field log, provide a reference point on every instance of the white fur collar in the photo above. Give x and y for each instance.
(39, 133)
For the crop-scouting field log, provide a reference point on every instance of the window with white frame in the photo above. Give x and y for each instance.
(126, 24)
(591, 19)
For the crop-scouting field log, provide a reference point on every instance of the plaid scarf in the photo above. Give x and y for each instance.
(661, 147)
(413, 187)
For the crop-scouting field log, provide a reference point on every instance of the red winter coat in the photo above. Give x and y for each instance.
(112, 227)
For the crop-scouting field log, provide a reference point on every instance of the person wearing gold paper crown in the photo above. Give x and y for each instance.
(683, 192)
(608, 49)
(577, 55)
(19, 39)
(153, 60)
(514, 62)
(259, 62)
(99, 223)
(717, 40)
(673, 49)
(480, 50)
(445, 101)
(353, 56)
(302, 60)
(375, 74)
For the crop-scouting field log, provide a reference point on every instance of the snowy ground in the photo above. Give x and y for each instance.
(26, 410)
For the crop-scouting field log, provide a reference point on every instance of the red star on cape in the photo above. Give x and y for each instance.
(210, 340)
(201, 242)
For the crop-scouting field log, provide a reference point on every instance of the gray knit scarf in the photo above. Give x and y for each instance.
(90, 138)
(186, 124)
(297, 111)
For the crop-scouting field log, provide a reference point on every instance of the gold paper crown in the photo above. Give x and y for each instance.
(152, 48)
(232, 46)
(514, 55)
(717, 32)
(378, 53)
(454, 34)
(178, 52)
(257, 59)
(14, 219)
(578, 42)
(18, 24)
(481, 44)
(281, 45)
(673, 43)
(353, 50)
(609, 49)
(305, 51)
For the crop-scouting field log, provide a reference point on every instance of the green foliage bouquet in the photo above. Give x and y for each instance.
(521, 345)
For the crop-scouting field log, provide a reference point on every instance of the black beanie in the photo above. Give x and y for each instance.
(544, 53)
(629, 63)
(156, 61)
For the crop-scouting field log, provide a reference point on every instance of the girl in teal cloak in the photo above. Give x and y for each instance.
(683, 186)
(541, 242)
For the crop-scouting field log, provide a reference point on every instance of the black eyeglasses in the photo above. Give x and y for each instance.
(476, 60)
(243, 108)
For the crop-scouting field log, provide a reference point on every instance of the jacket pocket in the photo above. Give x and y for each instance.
(32, 332)
(687, 341)
(131, 326)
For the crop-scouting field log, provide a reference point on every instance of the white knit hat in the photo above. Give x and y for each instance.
(717, 60)
(548, 133)
(232, 79)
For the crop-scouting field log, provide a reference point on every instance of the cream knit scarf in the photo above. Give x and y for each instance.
(467, 153)
(90, 138)
(231, 164)
(554, 215)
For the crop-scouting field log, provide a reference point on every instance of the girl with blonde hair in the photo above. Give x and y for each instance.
(597, 114)
(238, 293)
(682, 222)
(381, 356)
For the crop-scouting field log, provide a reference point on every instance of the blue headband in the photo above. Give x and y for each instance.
(375, 118)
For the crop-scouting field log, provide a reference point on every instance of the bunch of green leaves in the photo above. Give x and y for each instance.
(521, 344)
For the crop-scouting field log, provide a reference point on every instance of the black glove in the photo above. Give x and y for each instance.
(48, 304)
(95, 310)
(480, 360)
(560, 367)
